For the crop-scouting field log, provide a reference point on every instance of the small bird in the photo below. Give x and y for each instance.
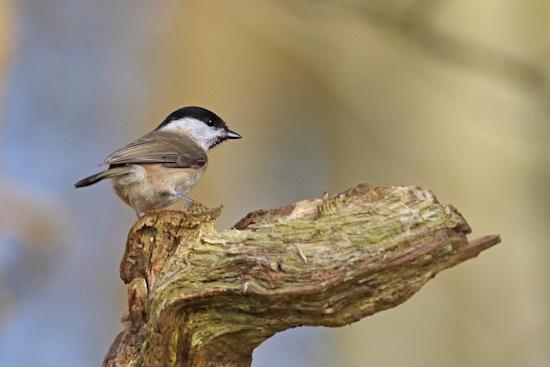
(162, 166)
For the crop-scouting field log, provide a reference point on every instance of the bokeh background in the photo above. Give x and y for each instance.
(452, 96)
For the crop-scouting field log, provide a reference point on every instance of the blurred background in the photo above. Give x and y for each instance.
(447, 95)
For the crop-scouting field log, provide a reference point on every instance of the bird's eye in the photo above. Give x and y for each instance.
(210, 122)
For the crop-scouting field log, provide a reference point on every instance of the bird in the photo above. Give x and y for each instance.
(161, 167)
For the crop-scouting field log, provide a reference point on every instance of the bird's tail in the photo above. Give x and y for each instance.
(111, 172)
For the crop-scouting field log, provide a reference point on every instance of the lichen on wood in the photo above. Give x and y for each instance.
(198, 297)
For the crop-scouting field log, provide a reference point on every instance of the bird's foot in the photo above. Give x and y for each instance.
(193, 203)
(189, 202)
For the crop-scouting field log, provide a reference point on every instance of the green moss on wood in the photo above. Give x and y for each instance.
(212, 297)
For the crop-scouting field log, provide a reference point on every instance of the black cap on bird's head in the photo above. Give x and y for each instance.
(198, 113)
(211, 121)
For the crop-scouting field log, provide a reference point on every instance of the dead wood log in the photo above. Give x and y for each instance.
(198, 297)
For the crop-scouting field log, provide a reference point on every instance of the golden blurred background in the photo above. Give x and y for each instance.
(450, 96)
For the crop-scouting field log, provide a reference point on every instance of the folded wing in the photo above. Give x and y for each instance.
(161, 147)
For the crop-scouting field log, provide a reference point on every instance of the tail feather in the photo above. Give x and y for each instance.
(111, 172)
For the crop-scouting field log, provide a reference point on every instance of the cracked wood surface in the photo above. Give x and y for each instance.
(198, 297)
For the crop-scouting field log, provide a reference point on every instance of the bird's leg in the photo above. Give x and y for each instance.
(183, 197)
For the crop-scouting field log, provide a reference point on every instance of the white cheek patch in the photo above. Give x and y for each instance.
(203, 134)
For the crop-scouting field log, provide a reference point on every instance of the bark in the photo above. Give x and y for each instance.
(198, 297)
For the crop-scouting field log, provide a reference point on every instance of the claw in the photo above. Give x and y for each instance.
(189, 201)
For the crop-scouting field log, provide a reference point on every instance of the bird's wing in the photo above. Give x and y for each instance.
(161, 147)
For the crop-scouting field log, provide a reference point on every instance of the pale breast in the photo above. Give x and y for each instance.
(181, 180)
(151, 186)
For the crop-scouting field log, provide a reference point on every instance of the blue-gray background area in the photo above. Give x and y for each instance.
(69, 66)
(74, 62)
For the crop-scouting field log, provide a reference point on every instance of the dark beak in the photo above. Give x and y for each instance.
(232, 135)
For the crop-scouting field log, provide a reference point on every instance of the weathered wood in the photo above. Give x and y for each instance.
(198, 297)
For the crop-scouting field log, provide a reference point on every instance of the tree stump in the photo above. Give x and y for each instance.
(198, 297)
